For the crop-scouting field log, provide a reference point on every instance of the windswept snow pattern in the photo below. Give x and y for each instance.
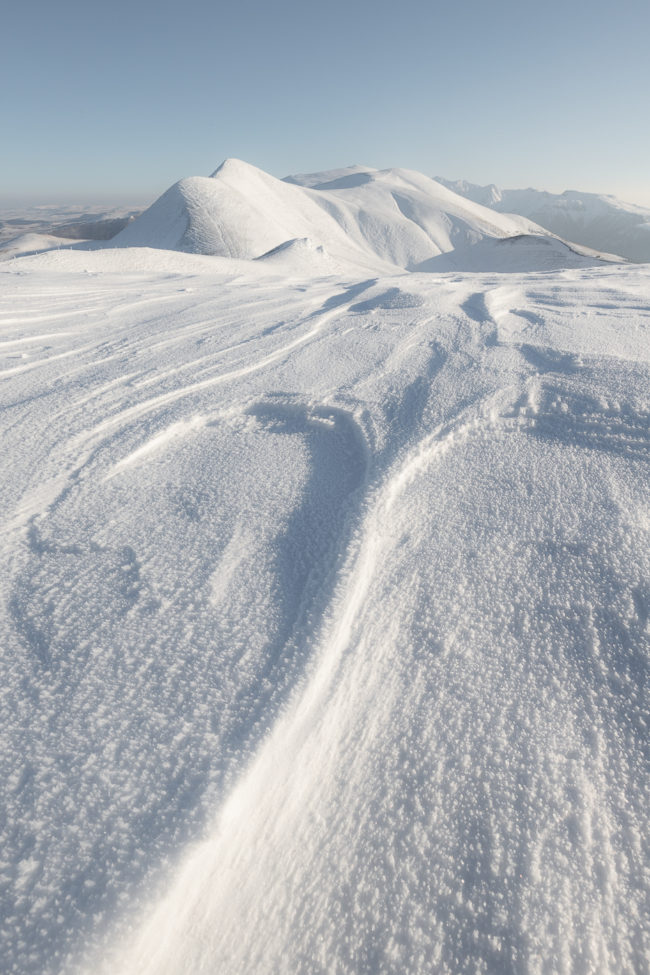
(326, 616)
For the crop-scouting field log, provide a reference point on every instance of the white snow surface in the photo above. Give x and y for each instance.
(32, 243)
(326, 604)
(368, 219)
(56, 218)
(599, 221)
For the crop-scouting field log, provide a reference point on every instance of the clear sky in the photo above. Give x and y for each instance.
(119, 99)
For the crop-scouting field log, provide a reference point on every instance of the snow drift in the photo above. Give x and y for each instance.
(524, 252)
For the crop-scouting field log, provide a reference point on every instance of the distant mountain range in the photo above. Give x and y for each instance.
(597, 221)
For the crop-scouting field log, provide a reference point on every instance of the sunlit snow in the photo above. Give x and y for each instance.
(598, 221)
(326, 591)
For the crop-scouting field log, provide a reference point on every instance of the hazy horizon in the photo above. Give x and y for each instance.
(146, 196)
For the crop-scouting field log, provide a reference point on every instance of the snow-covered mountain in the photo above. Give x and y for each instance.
(598, 221)
(361, 217)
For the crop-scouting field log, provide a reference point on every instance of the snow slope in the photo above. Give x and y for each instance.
(370, 220)
(507, 255)
(326, 611)
(63, 220)
(600, 222)
(31, 243)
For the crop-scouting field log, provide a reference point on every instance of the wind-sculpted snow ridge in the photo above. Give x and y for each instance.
(512, 255)
(326, 624)
(594, 220)
(372, 219)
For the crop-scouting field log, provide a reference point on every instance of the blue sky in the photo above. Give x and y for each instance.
(120, 99)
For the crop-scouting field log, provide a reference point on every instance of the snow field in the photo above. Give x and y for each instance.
(326, 618)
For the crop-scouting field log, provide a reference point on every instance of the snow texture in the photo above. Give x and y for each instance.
(326, 617)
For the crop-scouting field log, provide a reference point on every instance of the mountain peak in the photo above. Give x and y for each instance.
(378, 220)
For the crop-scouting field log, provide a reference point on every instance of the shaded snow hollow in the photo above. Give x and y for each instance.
(326, 595)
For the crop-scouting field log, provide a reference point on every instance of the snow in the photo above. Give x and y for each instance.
(327, 601)
(371, 221)
(62, 220)
(31, 243)
(601, 222)
(525, 252)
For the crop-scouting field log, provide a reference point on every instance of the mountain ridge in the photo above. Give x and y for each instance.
(596, 220)
(371, 219)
